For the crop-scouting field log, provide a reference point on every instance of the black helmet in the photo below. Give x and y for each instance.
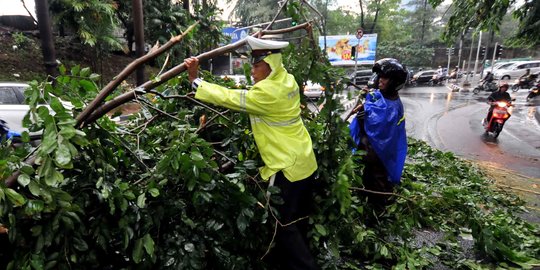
(392, 69)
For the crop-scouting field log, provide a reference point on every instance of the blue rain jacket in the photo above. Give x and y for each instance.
(384, 125)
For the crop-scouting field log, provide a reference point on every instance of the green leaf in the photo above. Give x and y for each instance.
(79, 244)
(196, 156)
(94, 77)
(137, 251)
(15, 198)
(62, 155)
(154, 192)
(149, 245)
(75, 70)
(320, 229)
(85, 72)
(23, 180)
(56, 105)
(54, 178)
(68, 132)
(87, 85)
(141, 201)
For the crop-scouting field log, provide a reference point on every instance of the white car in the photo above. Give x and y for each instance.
(239, 80)
(12, 106)
(313, 90)
(516, 70)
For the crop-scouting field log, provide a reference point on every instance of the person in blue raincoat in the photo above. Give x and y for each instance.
(5, 131)
(379, 128)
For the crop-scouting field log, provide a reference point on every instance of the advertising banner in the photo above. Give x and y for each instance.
(340, 49)
(236, 34)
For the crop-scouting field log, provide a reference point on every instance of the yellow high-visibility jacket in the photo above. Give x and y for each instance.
(273, 105)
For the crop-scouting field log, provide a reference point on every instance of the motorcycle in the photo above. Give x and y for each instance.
(499, 116)
(535, 91)
(524, 83)
(485, 86)
(436, 80)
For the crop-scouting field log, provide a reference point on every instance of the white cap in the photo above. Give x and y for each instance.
(261, 44)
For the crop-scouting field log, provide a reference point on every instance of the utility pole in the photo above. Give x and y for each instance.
(449, 51)
(138, 26)
(460, 47)
(490, 40)
(45, 34)
(494, 54)
(466, 82)
(477, 54)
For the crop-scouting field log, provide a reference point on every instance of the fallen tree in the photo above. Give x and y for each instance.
(176, 186)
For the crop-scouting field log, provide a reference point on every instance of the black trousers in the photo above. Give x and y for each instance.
(291, 251)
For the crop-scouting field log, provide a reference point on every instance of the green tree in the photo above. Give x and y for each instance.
(94, 21)
(251, 12)
(488, 15)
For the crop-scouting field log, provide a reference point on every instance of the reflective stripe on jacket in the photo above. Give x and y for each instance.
(273, 105)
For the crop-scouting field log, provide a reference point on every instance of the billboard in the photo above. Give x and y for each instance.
(236, 34)
(340, 49)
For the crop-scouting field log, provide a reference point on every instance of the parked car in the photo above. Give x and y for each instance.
(423, 77)
(313, 90)
(503, 65)
(516, 70)
(12, 107)
(361, 77)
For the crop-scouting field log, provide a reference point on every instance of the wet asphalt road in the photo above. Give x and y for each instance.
(451, 121)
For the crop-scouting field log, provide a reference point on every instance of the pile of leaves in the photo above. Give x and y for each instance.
(176, 187)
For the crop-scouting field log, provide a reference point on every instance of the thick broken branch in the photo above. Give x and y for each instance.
(105, 108)
(112, 85)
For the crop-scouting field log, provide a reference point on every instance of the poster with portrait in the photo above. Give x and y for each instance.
(340, 49)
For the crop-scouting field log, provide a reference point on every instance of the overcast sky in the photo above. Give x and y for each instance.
(14, 7)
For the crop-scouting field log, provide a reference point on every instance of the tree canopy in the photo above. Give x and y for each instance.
(488, 15)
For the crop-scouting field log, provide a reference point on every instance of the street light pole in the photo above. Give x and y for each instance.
(477, 53)
(494, 54)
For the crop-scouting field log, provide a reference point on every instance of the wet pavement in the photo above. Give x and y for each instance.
(452, 121)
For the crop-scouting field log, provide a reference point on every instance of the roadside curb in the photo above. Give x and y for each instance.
(537, 114)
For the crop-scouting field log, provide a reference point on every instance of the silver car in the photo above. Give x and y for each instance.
(12, 106)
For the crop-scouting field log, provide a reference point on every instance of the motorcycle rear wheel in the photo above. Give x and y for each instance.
(515, 88)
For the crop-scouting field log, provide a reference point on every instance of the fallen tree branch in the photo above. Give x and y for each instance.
(126, 97)
(112, 85)
(92, 112)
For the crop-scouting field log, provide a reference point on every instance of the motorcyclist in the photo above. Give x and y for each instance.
(500, 95)
(454, 73)
(379, 128)
(526, 75)
(488, 78)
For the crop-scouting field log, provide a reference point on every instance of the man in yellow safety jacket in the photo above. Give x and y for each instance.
(273, 105)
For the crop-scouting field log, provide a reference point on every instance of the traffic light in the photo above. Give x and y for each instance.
(353, 52)
(499, 50)
(450, 51)
(483, 50)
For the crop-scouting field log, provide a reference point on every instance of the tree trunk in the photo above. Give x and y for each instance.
(376, 16)
(185, 4)
(362, 14)
(138, 26)
(45, 34)
(423, 31)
